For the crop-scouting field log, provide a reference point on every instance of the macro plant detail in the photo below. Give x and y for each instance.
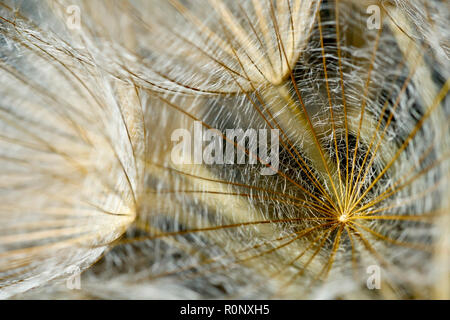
(92, 92)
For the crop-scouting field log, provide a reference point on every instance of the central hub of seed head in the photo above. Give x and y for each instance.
(343, 218)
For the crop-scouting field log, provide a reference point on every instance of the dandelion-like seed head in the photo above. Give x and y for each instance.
(89, 104)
